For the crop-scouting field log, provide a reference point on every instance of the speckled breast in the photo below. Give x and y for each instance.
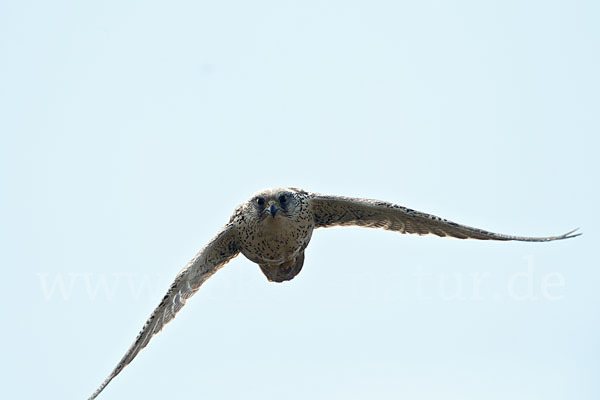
(277, 240)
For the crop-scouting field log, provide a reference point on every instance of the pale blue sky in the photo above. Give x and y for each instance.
(131, 130)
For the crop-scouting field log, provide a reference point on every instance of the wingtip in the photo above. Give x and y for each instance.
(102, 386)
(571, 234)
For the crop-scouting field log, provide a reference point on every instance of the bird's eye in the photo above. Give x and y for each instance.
(260, 201)
(282, 199)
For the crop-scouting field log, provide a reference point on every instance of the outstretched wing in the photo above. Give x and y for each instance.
(216, 254)
(343, 211)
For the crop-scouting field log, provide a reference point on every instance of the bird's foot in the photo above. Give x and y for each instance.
(284, 271)
(286, 267)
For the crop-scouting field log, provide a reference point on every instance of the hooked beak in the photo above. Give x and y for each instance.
(272, 208)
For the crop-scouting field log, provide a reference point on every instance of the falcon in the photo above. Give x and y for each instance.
(273, 228)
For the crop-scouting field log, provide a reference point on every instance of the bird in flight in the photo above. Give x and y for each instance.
(273, 228)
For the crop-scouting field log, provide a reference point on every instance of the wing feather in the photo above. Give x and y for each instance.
(221, 249)
(344, 211)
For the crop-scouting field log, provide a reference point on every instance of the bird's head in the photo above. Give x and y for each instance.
(275, 204)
